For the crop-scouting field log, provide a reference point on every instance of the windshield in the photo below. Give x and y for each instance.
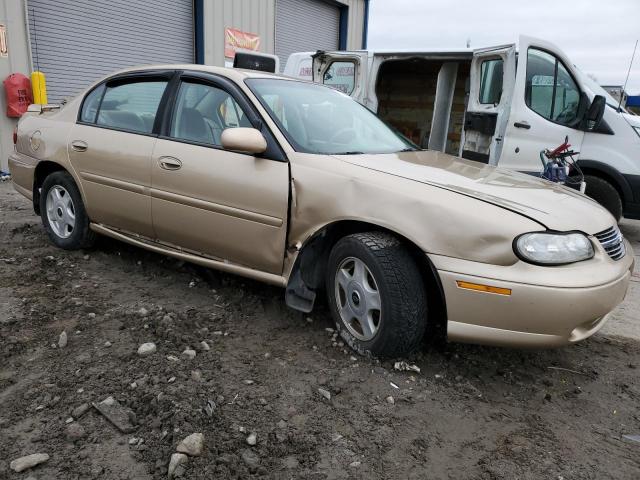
(598, 90)
(318, 119)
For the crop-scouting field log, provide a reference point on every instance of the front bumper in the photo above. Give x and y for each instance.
(553, 311)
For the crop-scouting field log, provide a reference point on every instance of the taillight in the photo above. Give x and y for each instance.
(15, 135)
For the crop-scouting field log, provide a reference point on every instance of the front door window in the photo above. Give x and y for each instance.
(550, 90)
(203, 112)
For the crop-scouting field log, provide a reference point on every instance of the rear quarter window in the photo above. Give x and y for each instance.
(91, 104)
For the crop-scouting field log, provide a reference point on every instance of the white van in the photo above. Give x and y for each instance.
(495, 106)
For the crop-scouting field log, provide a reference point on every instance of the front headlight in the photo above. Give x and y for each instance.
(553, 248)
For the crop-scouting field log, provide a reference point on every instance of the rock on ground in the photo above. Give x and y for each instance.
(29, 461)
(250, 458)
(189, 353)
(192, 445)
(62, 340)
(75, 431)
(176, 464)
(146, 349)
(80, 410)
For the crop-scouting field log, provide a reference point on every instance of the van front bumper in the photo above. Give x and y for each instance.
(531, 315)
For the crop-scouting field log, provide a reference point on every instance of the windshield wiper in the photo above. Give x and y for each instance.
(348, 153)
(410, 150)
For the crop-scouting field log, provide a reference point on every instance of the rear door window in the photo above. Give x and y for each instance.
(341, 76)
(131, 106)
(491, 75)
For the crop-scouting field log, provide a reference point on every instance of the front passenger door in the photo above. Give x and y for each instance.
(228, 205)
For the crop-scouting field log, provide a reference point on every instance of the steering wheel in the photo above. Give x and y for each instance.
(343, 131)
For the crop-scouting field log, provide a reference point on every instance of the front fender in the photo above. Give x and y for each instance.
(438, 221)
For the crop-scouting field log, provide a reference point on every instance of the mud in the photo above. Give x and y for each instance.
(471, 413)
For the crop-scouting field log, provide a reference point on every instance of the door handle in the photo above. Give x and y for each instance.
(79, 146)
(524, 125)
(170, 163)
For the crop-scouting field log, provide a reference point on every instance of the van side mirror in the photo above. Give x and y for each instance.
(595, 113)
(241, 139)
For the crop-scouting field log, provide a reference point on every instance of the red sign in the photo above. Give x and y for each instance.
(236, 39)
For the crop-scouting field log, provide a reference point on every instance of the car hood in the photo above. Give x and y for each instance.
(554, 206)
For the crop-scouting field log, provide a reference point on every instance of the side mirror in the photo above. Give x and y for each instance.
(595, 113)
(242, 139)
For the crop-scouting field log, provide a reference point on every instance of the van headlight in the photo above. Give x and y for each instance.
(553, 248)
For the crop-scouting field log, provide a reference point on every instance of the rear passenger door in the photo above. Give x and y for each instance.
(110, 148)
(213, 202)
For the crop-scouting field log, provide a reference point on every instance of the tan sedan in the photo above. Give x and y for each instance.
(297, 185)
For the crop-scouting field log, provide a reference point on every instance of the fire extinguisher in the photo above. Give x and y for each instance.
(18, 92)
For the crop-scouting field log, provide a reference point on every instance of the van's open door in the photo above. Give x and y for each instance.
(344, 71)
(492, 78)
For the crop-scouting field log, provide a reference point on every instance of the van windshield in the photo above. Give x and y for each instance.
(318, 119)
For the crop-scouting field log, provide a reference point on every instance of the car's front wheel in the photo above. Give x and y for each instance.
(63, 214)
(376, 294)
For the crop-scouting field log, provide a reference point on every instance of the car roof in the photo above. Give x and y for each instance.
(236, 74)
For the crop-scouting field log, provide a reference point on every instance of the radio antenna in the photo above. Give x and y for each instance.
(624, 88)
(35, 37)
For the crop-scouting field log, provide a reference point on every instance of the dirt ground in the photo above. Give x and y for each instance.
(472, 413)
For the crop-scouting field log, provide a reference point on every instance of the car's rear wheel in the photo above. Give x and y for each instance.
(376, 294)
(605, 194)
(63, 214)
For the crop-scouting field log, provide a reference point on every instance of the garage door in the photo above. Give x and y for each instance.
(75, 43)
(305, 25)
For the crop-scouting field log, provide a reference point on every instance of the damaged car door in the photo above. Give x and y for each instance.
(230, 205)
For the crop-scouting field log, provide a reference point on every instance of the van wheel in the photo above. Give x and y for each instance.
(63, 214)
(376, 294)
(605, 194)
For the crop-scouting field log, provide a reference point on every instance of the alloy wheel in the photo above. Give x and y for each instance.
(358, 299)
(60, 211)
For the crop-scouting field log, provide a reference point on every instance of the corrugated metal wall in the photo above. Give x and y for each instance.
(253, 16)
(11, 16)
(79, 42)
(259, 17)
(305, 25)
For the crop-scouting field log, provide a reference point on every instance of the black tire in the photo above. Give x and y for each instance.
(605, 194)
(81, 236)
(403, 314)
